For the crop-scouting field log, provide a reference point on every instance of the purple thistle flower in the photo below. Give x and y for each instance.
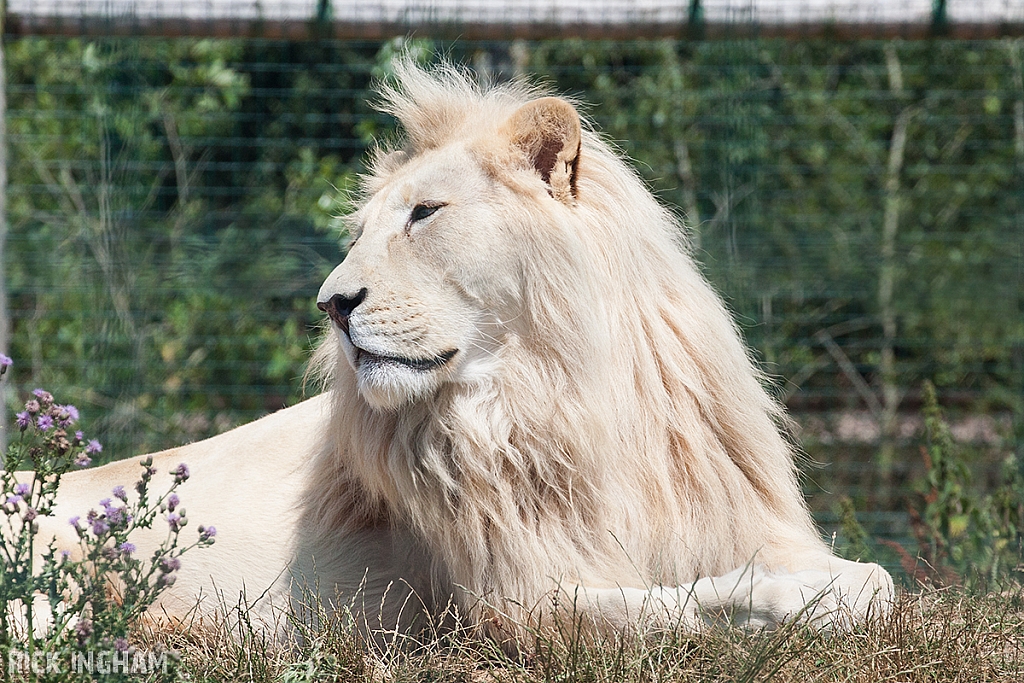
(207, 533)
(100, 527)
(121, 644)
(172, 502)
(127, 548)
(23, 420)
(30, 514)
(83, 628)
(65, 554)
(44, 422)
(79, 436)
(169, 564)
(83, 461)
(180, 473)
(74, 521)
(43, 395)
(94, 447)
(32, 406)
(174, 521)
(13, 500)
(118, 517)
(5, 362)
(119, 493)
(21, 489)
(67, 415)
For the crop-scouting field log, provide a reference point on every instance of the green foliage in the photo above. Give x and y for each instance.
(1008, 512)
(57, 607)
(855, 538)
(953, 526)
(963, 535)
(133, 287)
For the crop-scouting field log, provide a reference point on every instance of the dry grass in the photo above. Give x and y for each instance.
(934, 635)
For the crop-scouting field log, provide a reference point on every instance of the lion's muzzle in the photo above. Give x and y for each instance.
(339, 307)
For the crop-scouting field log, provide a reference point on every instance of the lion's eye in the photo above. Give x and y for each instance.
(421, 211)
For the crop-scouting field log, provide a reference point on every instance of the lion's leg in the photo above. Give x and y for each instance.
(852, 593)
(833, 594)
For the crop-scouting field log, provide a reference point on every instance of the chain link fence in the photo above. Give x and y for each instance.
(172, 201)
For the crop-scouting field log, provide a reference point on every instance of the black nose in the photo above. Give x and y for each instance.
(340, 307)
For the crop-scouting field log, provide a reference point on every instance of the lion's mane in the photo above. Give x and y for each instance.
(626, 439)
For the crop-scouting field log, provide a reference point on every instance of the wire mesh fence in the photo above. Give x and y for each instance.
(172, 210)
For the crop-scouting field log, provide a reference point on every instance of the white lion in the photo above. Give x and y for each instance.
(536, 407)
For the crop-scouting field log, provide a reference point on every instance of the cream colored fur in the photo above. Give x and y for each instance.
(536, 405)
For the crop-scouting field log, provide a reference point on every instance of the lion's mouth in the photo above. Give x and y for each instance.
(364, 358)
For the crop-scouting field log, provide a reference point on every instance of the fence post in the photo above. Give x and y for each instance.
(695, 20)
(940, 19)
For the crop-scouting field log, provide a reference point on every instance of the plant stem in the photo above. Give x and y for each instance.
(891, 394)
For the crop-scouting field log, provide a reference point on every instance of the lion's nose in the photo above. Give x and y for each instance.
(339, 307)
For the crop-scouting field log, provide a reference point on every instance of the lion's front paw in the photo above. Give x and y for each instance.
(830, 600)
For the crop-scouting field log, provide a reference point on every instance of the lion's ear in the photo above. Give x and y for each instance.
(547, 131)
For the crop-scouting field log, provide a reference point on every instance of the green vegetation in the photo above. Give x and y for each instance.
(963, 536)
(165, 233)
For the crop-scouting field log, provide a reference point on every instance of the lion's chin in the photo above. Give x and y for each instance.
(389, 386)
(390, 382)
